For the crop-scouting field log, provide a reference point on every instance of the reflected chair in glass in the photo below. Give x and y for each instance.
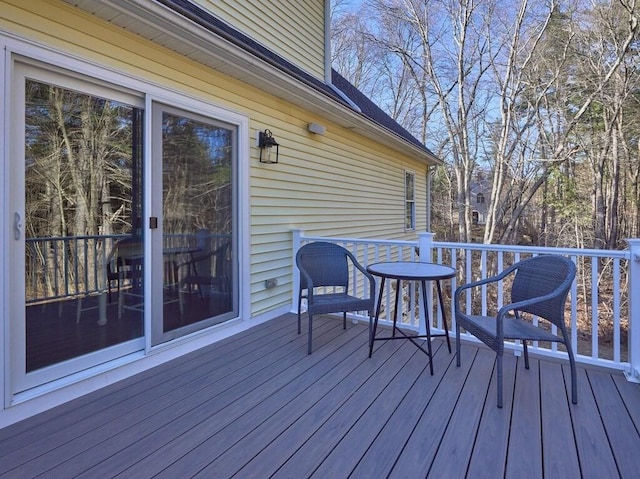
(122, 269)
(326, 266)
(207, 272)
(540, 288)
(125, 268)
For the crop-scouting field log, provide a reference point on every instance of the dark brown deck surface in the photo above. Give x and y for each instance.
(256, 405)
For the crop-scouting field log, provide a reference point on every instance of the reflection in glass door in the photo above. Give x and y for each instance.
(81, 236)
(198, 228)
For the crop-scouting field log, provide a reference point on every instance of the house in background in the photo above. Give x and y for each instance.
(138, 220)
(480, 190)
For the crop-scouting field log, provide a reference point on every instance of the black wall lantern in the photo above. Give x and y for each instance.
(268, 147)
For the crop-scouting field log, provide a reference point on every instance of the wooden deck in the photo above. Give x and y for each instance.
(256, 405)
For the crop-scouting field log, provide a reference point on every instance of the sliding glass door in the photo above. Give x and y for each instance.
(76, 201)
(123, 216)
(194, 160)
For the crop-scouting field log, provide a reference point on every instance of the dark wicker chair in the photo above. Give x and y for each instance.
(322, 265)
(540, 287)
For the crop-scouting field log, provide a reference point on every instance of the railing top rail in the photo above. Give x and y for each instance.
(604, 253)
(360, 240)
(621, 254)
(76, 237)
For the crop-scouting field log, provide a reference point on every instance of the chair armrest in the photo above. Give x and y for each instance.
(474, 284)
(309, 283)
(369, 276)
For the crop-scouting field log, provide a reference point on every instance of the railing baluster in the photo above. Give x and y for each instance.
(469, 278)
(616, 310)
(483, 275)
(594, 308)
(500, 267)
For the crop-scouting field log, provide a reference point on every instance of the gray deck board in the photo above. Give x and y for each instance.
(121, 431)
(622, 434)
(271, 427)
(256, 405)
(422, 446)
(212, 443)
(560, 456)
(457, 443)
(594, 449)
(322, 442)
(279, 450)
(197, 413)
(524, 456)
(382, 454)
(344, 457)
(492, 439)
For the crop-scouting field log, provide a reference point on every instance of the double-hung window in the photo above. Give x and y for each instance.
(409, 201)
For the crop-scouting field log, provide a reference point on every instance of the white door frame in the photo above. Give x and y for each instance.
(12, 270)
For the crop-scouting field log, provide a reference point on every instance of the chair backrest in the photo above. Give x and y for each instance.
(544, 275)
(125, 259)
(213, 263)
(326, 264)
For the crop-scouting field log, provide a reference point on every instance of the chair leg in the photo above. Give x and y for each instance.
(310, 333)
(78, 310)
(372, 329)
(574, 378)
(499, 377)
(457, 345)
(526, 354)
(344, 320)
(572, 364)
(299, 306)
(181, 299)
(444, 316)
(120, 304)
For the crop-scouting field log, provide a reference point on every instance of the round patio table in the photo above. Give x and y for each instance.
(411, 271)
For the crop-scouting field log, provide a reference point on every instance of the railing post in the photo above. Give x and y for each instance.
(425, 245)
(633, 374)
(295, 280)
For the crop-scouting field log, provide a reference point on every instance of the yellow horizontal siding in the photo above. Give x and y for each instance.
(339, 184)
(294, 29)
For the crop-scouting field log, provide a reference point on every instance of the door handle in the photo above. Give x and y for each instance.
(17, 226)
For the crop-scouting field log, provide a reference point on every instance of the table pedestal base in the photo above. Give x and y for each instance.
(411, 337)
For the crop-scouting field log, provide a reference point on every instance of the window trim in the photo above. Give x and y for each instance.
(409, 202)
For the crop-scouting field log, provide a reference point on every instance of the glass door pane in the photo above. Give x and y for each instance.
(82, 207)
(198, 228)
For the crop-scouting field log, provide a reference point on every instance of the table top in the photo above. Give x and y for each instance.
(411, 270)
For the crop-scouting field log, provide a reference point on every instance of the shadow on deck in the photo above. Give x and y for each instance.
(256, 405)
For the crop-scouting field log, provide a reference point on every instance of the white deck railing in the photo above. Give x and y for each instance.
(602, 311)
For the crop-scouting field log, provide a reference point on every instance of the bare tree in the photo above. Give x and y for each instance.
(511, 88)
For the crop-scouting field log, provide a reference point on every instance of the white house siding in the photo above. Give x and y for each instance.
(294, 28)
(338, 184)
